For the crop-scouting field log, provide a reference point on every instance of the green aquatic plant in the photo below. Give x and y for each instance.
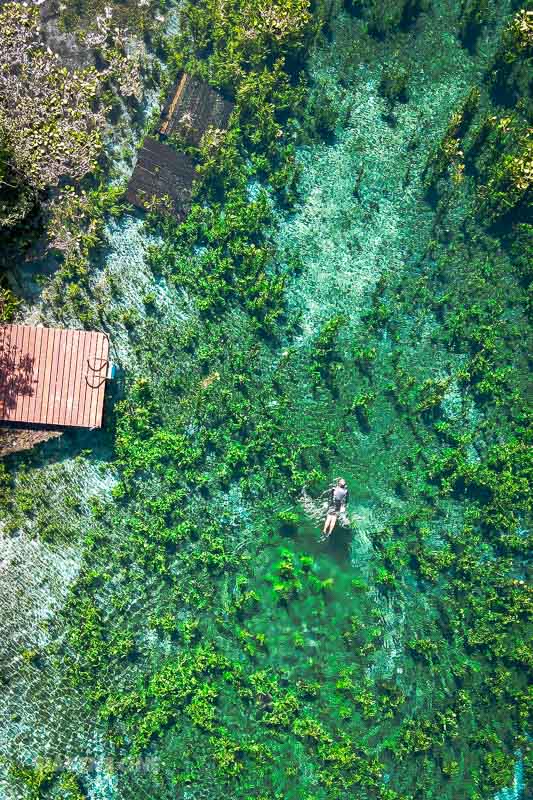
(223, 272)
(385, 20)
(390, 698)
(227, 754)
(289, 519)
(47, 780)
(424, 648)
(364, 357)
(394, 82)
(326, 361)
(431, 394)
(361, 406)
(473, 15)
(287, 582)
(510, 73)
(518, 36)
(242, 33)
(509, 178)
(498, 770)
(325, 116)
(448, 158)
(432, 563)
(200, 632)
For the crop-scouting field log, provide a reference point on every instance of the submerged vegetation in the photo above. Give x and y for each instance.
(219, 649)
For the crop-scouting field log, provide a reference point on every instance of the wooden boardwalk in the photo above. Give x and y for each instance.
(51, 376)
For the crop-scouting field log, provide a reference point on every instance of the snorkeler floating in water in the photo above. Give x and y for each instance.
(337, 501)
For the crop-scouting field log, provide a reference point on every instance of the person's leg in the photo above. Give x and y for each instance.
(331, 519)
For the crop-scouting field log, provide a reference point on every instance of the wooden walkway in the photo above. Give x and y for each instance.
(51, 376)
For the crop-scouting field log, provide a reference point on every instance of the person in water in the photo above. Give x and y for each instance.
(337, 502)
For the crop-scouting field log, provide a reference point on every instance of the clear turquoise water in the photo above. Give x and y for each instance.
(361, 216)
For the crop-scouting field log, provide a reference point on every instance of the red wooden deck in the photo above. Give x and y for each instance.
(52, 376)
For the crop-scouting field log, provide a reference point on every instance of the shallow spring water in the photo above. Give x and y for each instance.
(345, 240)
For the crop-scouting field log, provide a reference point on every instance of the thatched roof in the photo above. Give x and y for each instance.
(192, 108)
(162, 178)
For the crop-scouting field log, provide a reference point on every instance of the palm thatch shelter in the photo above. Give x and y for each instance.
(162, 179)
(193, 108)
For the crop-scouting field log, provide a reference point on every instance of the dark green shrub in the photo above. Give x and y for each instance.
(473, 15)
(393, 83)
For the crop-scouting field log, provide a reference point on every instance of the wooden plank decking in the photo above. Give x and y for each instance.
(51, 376)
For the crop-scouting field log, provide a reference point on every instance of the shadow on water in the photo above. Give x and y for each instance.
(306, 539)
(336, 547)
(93, 444)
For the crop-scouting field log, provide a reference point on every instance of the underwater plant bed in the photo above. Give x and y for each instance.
(348, 295)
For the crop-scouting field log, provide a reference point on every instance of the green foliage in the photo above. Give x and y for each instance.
(448, 157)
(500, 483)
(326, 362)
(227, 754)
(424, 648)
(8, 304)
(16, 197)
(253, 56)
(69, 787)
(234, 262)
(47, 780)
(364, 357)
(35, 779)
(385, 20)
(473, 15)
(289, 519)
(431, 394)
(361, 406)
(81, 15)
(241, 37)
(321, 115)
(195, 628)
(47, 141)
(287, 582)
(508, 178)
(182, 685)
(497, 770)
(393, 84)
(518, 36)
